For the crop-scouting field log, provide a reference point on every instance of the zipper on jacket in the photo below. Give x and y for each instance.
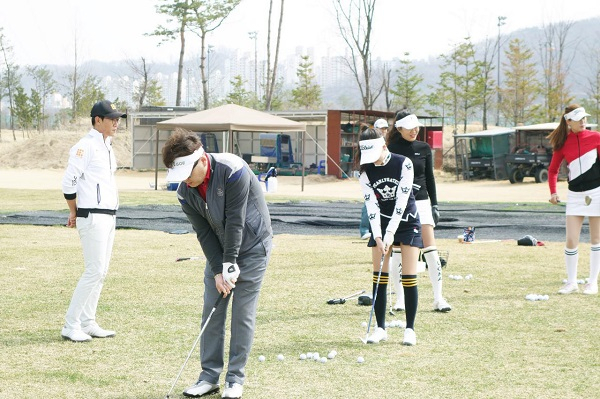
(579, 154)
(98, 196)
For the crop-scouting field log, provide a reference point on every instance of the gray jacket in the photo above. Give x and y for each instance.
(234, 218)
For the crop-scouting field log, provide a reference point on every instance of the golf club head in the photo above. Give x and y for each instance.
(364, 340)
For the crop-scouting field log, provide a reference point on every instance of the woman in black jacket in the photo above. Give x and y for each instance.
(402, 139)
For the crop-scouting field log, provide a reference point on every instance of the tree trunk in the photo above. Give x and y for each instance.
(269, 97)
(180, 66)
(203, 74)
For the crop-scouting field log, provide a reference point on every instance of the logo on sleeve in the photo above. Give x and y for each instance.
(79, 153)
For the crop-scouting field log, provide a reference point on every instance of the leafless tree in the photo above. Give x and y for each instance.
(355, 21)
(208, 16)
(556, 66)
(272, 71)
(141, 71)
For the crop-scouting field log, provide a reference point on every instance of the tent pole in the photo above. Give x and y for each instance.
(303, 162)
(156, 162)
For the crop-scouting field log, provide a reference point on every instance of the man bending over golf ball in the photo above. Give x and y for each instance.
(224, 202)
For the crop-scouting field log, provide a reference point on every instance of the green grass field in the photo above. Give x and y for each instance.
(493, 344)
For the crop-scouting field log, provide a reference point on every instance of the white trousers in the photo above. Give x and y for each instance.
(97, 234)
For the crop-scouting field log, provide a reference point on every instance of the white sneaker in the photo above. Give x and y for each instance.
(441, 306)
(233, 390)
(379, 335)
(74, 335)
(410, 338)
(568, 288)
(365, 236)
(201, 388)
(94, 330)
(590, 289)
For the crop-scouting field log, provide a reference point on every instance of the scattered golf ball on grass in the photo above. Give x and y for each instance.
(360, 359)
(303, 356)
(536, 297)
(280, 357)
(261, 358)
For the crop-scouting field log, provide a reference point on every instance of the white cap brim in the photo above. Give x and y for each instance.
(408, 122)
(182, 166)
(577, 114)
(370, 150)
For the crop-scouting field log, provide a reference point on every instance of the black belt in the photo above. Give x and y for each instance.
(85, 212)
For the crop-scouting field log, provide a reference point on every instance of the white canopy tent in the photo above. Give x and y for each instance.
(228, 119)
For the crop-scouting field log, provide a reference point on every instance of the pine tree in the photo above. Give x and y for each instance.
(406, 88)
(521, 86)
(307, 94)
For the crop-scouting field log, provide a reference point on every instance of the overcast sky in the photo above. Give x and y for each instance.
(45, 31)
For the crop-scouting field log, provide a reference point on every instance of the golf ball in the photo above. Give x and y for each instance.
(309, 355)
(261, 358)
(364, 324)
(331, 355)
(280, 357)
(360, 359)
(302, 356)
(316, 356)
(323, 359)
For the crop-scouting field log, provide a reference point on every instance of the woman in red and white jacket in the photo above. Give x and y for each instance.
(579, 148)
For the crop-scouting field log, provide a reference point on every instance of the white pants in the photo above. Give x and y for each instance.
(97, 234)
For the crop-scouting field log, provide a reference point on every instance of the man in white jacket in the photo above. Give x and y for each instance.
(91, 193)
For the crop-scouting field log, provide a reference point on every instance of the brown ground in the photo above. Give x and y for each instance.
(38, 162)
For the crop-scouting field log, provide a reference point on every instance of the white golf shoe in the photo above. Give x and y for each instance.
(75, 335)
(590, 289)
(379, 335)
(410, 338)
(94, 330)
(201, 388)
(442, 306)
(568, 288)
(233, 390)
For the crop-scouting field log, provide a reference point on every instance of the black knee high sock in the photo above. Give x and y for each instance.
(381, 302)
(411, 298)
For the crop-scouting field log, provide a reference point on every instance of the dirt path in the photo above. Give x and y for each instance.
(314, 186)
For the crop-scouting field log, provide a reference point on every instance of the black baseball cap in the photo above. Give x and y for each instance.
(106, 109)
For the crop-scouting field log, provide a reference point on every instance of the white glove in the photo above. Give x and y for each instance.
(231, 272)
(388, 239)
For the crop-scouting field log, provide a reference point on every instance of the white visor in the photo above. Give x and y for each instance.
(577, 114)
(182, 166)
(370, 150)
(408, 122)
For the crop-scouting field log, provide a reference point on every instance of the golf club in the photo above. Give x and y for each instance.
(374, 299)
(340, 301)
(195, 343)
(189, 258)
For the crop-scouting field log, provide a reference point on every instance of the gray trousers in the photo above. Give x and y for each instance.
(253, 265)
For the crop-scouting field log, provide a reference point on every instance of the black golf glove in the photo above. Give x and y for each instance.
(436, 214)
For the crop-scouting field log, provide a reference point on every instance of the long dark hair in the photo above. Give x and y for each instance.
(559, 135)
(367, 133)
(393, 133)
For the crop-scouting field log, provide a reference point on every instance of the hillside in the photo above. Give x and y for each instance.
(50, 150)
